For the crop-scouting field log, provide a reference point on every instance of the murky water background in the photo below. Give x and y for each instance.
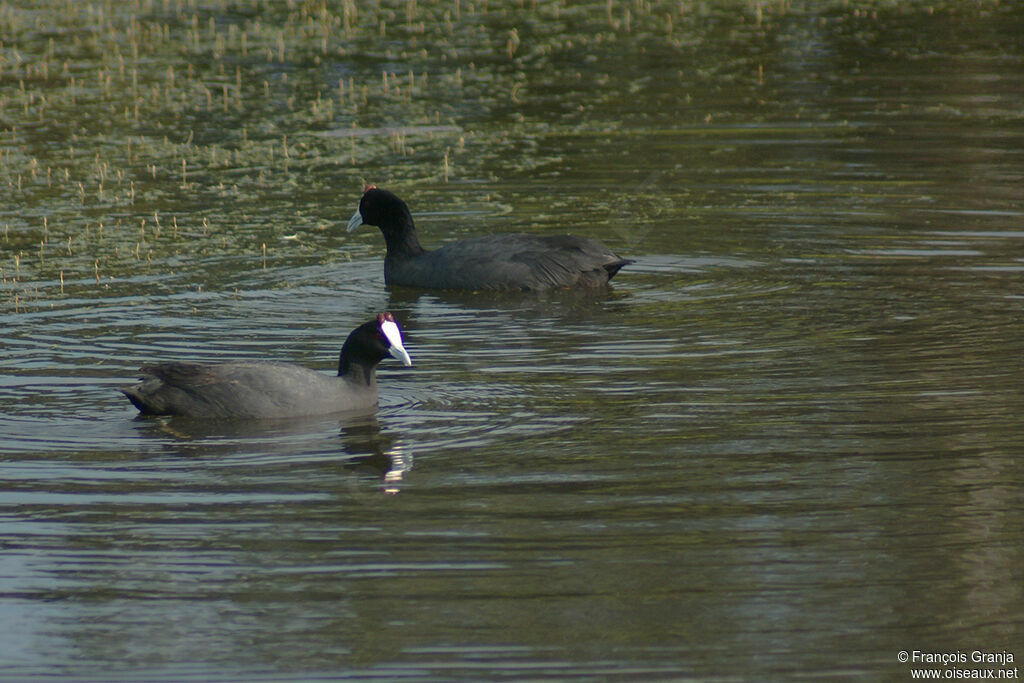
(786, 442)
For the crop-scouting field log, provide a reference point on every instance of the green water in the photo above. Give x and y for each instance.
(785, 443)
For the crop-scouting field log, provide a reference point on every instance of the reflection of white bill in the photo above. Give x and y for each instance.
(401, 462)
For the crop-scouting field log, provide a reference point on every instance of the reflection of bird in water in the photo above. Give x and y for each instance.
(370, 458)
(386, 460)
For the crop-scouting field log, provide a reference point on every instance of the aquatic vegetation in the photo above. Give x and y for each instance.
(156, 133)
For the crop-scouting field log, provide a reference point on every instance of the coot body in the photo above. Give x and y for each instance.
(254, 389)
(510, 261)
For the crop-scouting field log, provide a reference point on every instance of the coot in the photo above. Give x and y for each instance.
(510, 261)
(254, 389)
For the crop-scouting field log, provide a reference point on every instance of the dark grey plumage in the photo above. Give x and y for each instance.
(254, 389)
(510, 261)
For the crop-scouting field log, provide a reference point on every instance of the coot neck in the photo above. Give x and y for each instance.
(357, 372)
(400, 234)
(356, 364)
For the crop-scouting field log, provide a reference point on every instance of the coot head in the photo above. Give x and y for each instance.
(373, 342)
(381, 208)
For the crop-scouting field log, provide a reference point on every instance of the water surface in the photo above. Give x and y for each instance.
(786, 441)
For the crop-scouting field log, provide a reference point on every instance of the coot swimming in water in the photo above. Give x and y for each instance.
(509, 261)
(254, 389)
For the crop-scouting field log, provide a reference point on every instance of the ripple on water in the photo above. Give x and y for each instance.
(788, 431)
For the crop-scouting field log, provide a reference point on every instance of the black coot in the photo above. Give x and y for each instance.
(253, 389)
(511, 261)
